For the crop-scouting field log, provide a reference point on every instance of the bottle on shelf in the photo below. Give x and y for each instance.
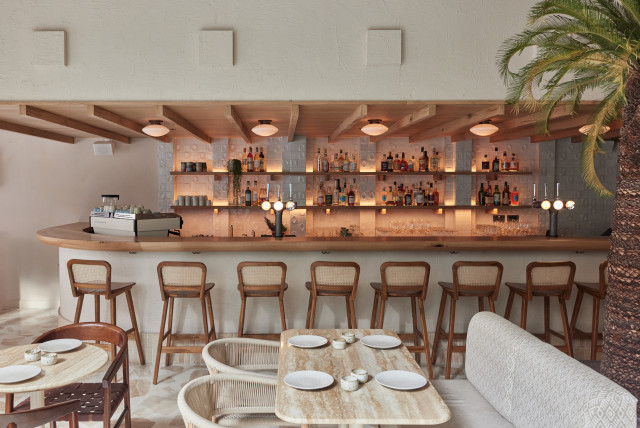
(390, 162)
(320, 199)
(486, 165)
(263, 196)
(325, 162)
(425, 156)
(506, 195)
(488, 197)
(431, 200)
(515, 197)
(343, 195)
(351, 196)
(404, 166)
(256, 161)
(383, 196)
(496, 196)
(414, 195)
(341, 162)
(336, 164)
(436, 195)
(420, 196)
(495, 165)
(243, 161)
(263, 161)
(336, 193)
(514, 165)
(250, 160)
(254, 194)
(319, 162)
(435, 161)
(396, 163)
(384, 163)
(328, 197)
(481, 195)
(408, 200)
(353, 166)
(504, 165)
(412, 164)
(394, 194)
(247, 195)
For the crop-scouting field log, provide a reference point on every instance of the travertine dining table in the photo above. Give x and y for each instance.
(372, 403)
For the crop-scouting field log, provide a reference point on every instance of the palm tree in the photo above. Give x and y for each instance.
(594, 45)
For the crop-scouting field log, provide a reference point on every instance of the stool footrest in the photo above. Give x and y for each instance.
(182, 349)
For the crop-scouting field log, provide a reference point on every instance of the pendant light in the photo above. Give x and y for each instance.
(586, 128)
(484, 128)
(374, 127)
(155, 128)
(264, 128)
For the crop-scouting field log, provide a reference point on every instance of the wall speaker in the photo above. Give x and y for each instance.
(103, 148)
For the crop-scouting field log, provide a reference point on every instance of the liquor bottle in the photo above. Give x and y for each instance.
(481, 195)
(351, 196)
(506, 195)
(422, 162)
(485, 163)
(390, 162)
(319, 162)
(336, 164)
(244, 160)
(496, 196)
(247, 195)
(495, 166)
(328, 197)
(414, 194)
(432, 197)
(262, 196)
(325, 162)
(394, 194)
(396, 163)
(435, 160)
(250, 160)
(504, 165)
(340, 162)
(407, 198)
(515, 197)
(343, 195)
(254, 194)
(353, 166)
(336, 192)
(411, 166)
(384, 164)
(420, 196)
(256, 161)
(383, 196)
(320, 200)
(514, 165)
(436, 195)
(488, 195)
(262, 160)
(426, 160)
(403, 164)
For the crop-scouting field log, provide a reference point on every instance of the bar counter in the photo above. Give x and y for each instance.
(136, 259)
(78, 236)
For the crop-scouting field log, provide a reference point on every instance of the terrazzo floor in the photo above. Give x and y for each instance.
(151, 405)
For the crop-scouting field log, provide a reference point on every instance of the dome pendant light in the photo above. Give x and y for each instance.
(264, 128)
(484, 128)
(155, 128)
(374, 128)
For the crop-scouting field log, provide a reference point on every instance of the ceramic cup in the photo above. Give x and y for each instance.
(349, 383)
(339, 343)
(349, 337)
(49, 359)
(361, 374)
(32, 355)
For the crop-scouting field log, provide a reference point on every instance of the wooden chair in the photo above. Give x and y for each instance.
(93, 277)
(183, 280)
(261, 279)
(598, 291)
(37, 417)
(408, 280)
(99, 400)
(545, 279)
(470, 279)
(333, 279)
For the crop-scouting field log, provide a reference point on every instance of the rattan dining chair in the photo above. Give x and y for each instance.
(242, 356)
(223, 400)
(36, 417)
(338, 279)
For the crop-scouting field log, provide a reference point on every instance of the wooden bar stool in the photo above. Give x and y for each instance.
(183, 280)
(598, 291)
(409, 280)
(333, 279)
(545, 279)
(93, 277)
(261, 279)
(470, 279)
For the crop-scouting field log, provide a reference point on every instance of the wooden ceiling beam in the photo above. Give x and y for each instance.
(531, 119)
(464, 135)
(174, 117)
(27, 130)
(111, 117)
(409, 120)
(349, 122)
(456, 126)
(47, 116)
(559, 128)
(235, 121)
(293, 121)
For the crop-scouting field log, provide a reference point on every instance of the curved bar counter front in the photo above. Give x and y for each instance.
(136, 259)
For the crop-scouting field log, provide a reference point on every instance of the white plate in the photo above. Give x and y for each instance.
(307, 341)
(60, 345)
(380, 341)
(401, 379)
(308, 379)
(13, 374)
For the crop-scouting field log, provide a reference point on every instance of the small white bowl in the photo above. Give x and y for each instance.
(49, 359)
(32, 355)
(349, 383)
(361, 374)
(349, 337)
(339, 343)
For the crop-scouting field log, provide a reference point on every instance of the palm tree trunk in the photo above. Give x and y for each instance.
(621, 353)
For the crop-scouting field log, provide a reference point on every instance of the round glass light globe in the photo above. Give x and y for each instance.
(278, 205)
(266, 205)
(558, 205)
(545, 205)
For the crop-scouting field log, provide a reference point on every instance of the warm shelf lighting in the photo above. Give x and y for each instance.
(155, 128)
(374, 127)
(586, 128)
(264, 128)
(484, 128)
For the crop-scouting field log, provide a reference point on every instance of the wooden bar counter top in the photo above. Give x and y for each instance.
(78, 236)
